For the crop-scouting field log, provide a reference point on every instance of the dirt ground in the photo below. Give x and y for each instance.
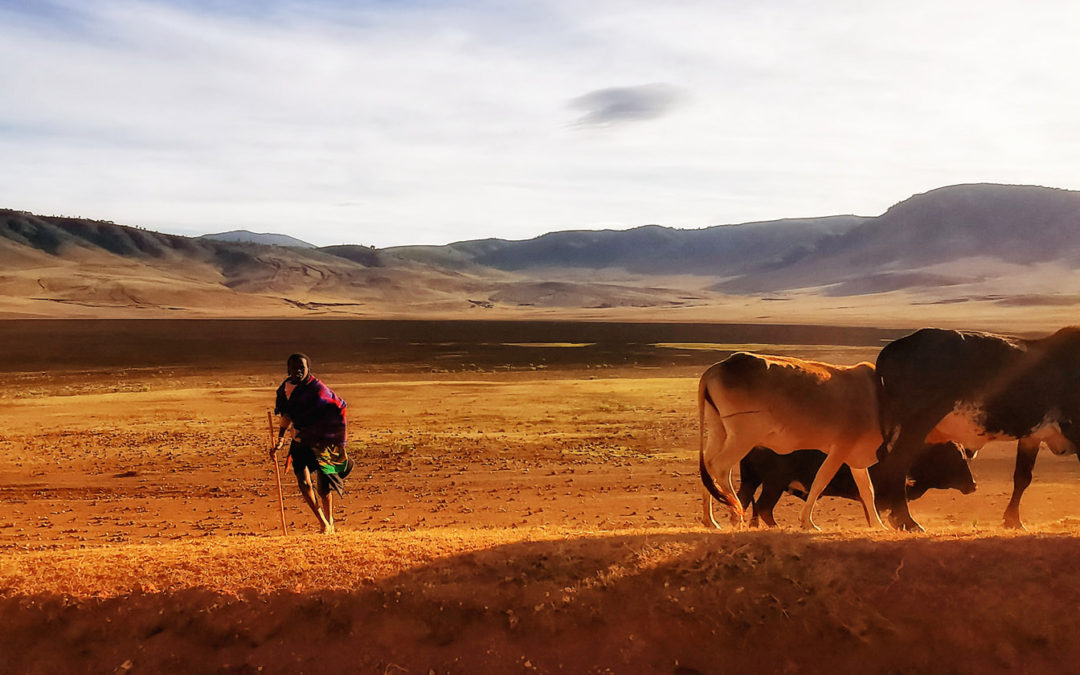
(517, 506)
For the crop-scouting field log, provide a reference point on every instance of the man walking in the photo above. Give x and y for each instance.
(317, 416)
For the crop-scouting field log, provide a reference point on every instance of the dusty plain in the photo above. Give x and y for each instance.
(526, 499)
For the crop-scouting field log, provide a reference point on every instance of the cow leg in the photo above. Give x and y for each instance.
(748, 484)
(727, 491)
(821, 480)
(765, 503)
(755, 519)
(719, 454)
(866, 494)
(754, 512)
(1026, 451)
(708, 517)
(894, 467)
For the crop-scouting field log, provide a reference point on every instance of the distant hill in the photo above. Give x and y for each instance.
(999, 248)
(249, 237)
(949, 236)
(1017, 225)
(67, 266)
(652, 249)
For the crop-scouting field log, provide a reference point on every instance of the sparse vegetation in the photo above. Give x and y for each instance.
(496, 517)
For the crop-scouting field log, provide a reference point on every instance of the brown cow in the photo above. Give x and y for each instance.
(787, 404)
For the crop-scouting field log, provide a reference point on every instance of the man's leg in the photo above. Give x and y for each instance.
(328, 508)
(308, 492)
(327, 499)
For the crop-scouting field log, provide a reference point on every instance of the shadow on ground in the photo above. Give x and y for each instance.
(684, 602)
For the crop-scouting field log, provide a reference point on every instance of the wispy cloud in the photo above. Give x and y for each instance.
(407, 122)
(624, 104)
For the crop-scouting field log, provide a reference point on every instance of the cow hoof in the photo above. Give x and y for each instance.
(811, 526)
(1014, 524)
(906, 524)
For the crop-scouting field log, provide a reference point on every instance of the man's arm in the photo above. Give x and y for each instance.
(283, 425)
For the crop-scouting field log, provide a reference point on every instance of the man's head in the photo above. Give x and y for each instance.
(298, 367)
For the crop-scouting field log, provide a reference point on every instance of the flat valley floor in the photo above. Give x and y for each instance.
(526, 498)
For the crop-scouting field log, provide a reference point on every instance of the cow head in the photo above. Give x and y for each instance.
(1067, 342)
(1069, 419)
(942, 466)
(1071, 431)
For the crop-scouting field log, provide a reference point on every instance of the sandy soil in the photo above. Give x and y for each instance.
(535, 510)
(1032, 298)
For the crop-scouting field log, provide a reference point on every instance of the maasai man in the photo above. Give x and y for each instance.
(317, 416)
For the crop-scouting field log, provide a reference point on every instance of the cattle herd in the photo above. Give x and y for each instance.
(884, 433)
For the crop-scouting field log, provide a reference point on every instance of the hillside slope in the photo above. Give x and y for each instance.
(652, 249)
(249, 237)
(994, 239)
(999, 249)
(99, 266)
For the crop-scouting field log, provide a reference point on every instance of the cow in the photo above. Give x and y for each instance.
(942, 466)
(972, 387)
(786, 404)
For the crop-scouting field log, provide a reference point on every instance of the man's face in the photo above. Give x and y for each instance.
(298, 370)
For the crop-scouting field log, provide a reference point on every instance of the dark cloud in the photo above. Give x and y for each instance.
(616, 105)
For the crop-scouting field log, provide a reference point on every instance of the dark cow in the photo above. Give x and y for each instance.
(943, 466)
(974, 388)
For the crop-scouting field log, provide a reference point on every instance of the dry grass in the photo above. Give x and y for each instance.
(493, 521)
(353, 559)
(299, 563)
(655, 600)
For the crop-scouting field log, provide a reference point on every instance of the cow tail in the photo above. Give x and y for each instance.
(706, 479)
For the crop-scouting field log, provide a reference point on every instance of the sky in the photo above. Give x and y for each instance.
(383, 122)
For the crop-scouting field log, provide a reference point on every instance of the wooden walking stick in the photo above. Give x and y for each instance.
(277, 474)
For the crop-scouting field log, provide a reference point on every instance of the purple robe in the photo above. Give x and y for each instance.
(317, 413)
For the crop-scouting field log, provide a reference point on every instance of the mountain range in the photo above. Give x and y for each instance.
(989, 252)
(268, 238)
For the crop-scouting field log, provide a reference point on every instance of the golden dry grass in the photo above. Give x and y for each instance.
(653, 600)
(351, 559)
(268, 564)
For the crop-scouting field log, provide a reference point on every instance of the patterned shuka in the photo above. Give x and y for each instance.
(318, 415)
